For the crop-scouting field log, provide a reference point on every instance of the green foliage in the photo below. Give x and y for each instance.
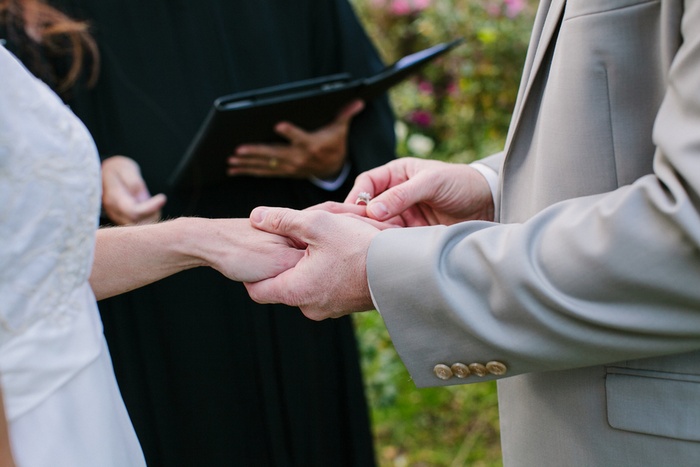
(457, 110)
(459, 107)
(451, 426)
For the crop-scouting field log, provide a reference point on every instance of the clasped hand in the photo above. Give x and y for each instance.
(330, 279)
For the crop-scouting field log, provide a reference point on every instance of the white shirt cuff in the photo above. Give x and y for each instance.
(491, 177)
(333, 184)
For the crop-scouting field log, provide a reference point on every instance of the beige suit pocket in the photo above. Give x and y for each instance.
(654, 402)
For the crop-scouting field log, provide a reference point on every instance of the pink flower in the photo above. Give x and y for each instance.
(425, 87)
(452, 88)
(421, 118)
(493, 9)
(514, 7)
(407, 7)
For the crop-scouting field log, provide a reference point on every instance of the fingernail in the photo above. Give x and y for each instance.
(258, 215)
(378, 210)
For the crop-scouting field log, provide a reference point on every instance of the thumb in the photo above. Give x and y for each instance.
(398, 199)
(151, 205)
(280, 221)
(349, 111)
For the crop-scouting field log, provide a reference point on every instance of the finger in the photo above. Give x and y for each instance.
(120, 206)
(348, 112)
(149, 207)
(260, 151)
(293, 133)
(278, 170)
(133, 182)
(281, 221)
(399, 198)
(379, 225)
(372, 182)
(338, 208)
(275, 163)
(298, 136)
(269, 290)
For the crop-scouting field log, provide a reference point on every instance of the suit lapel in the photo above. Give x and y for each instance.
(547, 22)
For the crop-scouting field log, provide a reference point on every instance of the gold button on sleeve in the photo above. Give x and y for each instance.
(442, 371)
(478, 369)
(496, 368)
(460, 370)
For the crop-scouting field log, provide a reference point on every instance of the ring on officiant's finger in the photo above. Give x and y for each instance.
(274, 162)
(363, 197)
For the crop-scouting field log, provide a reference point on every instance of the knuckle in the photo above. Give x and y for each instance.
(400, 195)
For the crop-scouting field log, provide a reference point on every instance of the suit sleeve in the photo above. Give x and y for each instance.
(587, 281)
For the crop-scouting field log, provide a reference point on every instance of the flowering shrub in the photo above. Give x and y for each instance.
(457, 108)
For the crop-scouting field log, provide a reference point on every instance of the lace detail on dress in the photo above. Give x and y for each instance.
(49, 202)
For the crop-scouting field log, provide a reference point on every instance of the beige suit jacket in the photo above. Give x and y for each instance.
(587, 291)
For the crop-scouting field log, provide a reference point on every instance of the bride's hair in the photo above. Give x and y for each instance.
(52, 45)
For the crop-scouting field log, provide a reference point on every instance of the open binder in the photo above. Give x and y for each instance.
(250, 117)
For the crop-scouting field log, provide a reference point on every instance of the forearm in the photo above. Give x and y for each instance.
(127, 258)
(5, 451)
(130, 257)
(578, 285)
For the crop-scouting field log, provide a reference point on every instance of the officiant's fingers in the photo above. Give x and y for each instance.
(260, 160)
(297, 135)
(292, 133)
(348, 112)
(148, 211)
(259, 152)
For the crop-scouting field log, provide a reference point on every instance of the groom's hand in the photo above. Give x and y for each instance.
(330, 280)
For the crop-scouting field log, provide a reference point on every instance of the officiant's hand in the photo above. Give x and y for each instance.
(125, 196)
(319, 154)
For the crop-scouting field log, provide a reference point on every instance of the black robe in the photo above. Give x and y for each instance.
(209, 377)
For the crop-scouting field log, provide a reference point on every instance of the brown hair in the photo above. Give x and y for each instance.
(59, 35)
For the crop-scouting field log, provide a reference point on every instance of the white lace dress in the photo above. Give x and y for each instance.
(60, 394)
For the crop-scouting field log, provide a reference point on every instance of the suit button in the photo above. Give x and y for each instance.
(442, 371)
(496, 368)
(478, 369)
(460, 370)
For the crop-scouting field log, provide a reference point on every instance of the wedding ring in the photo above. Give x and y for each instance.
(274, 162)
(363, 197)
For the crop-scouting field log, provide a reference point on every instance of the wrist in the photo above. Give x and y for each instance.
(335, 182)
(189, 240)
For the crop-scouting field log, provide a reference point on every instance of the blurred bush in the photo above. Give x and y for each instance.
(457, 109)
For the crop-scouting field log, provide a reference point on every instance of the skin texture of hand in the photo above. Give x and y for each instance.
(125, 197)
(320, 154)
(418, 192)
(243, 253)
(132, 256)
(331, 279)
(357, 212)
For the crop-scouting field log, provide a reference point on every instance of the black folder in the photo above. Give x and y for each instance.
(250, 117)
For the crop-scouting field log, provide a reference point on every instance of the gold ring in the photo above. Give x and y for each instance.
(274, 162)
